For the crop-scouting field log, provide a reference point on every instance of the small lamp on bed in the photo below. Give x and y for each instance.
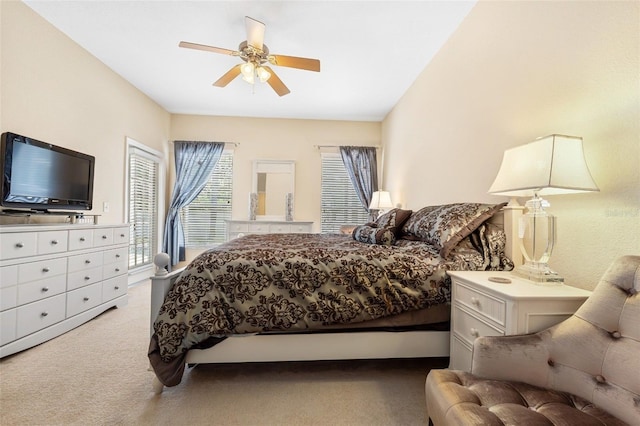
(381, 201)
(551, 165)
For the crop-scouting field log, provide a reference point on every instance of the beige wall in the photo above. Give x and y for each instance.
(514, 71)
(55, 91)
(276, 139)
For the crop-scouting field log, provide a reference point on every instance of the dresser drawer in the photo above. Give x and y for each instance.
(52, 242)
(8, 276)
(36, 290)
(102, 237)
(259, 228)
(482, 303)
(279, 228)
(114, 269)
(468, 327)
(115, 255)
(300, 229)
(83, 262)
(238, 227)
(83, 298)
(19, 244)
(40, 270)
(8, 323)
(82, 278)
(460, 355)
(38, 315)
(121, 235)
(114, 287)
(80, 239)
(8, 297)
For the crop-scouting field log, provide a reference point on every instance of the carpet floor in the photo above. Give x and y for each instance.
(97, 374)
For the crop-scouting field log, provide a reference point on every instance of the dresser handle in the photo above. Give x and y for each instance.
(87, 278)
(82, 239)
(121, 235)
(117, 288)
(117, 256)
(44, 314)
(45, 269)
(19, 245)
(86, 299)
(87, 261)
(474, 332)
(117, 269)
(54, 242)
(45, 289)
(475, 301)
(104, 237)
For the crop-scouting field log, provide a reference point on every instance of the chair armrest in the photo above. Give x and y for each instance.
(521, 358)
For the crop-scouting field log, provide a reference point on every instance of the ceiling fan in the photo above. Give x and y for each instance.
(255, 55)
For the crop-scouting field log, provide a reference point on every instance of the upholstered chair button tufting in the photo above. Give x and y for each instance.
(616, 334)
(550, 362)
(600, 379)
(632, 291)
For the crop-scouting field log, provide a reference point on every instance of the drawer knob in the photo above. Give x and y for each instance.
(474, 332)
(87, 278)
(44, 314)
(104, 237)
(117, 256)
(45, 289)
(117, 269)
(82, 239)
(54, 242)
(45, 269)
(117, 288)
(87, 261)
(475, 301)
(19, 245)
(86, 299)
(121, 235)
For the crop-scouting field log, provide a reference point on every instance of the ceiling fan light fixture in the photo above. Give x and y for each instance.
(248, 78)
(263, 74)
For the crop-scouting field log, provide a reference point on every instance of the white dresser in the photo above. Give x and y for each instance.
(55, 277)
(480, 307)
(237, 228)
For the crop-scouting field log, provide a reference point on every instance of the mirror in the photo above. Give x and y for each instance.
(272, 181)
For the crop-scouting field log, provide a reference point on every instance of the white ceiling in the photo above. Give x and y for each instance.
(370, 51)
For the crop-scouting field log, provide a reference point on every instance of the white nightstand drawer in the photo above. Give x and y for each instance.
(468, 328)
(482, 303)
(460, 355)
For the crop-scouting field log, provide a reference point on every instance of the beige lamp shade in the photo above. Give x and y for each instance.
(550, 165)
(380, 200)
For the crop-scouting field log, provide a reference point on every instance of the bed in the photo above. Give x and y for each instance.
(381, 292)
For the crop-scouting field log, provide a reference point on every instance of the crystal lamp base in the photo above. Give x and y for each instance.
(539, 273)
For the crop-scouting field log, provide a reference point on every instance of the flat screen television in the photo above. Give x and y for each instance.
(40, 176)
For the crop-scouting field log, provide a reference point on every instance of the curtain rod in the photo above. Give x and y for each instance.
(235, 144)
(338, 146)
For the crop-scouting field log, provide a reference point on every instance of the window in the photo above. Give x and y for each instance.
(340, 204)
(203, 221)
(144, 183)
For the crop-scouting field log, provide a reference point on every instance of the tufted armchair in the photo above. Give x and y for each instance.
(583, 371)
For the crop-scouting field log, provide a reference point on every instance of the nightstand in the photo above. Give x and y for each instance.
(480, 307)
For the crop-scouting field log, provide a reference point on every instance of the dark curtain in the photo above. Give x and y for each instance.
(362, 165)
(194, 163)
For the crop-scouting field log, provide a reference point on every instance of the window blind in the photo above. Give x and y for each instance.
(340, 204)
(203, 221)
(143, 206)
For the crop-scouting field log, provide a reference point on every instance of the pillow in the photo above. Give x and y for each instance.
(393, 219)
(374, 235)
(444, 226)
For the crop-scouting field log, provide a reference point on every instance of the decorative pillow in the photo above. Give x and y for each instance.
(393, 219)
(444, 226)
(374, 235)
(410, 227)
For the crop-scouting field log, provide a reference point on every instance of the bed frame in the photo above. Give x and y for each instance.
(326, 346)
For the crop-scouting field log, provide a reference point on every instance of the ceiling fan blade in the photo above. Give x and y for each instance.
(228, 76)
(276, 84)
(207, 48)
(255, 32)
(295, 62)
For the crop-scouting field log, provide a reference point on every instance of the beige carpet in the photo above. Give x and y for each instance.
(97, 374)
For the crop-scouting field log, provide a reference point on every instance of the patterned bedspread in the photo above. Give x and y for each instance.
(291, 282)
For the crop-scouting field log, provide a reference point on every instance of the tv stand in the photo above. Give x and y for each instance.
(74, 217)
